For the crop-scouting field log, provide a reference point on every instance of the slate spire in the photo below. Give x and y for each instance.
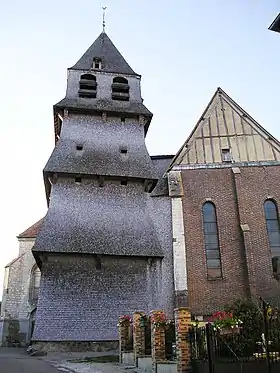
(111, 59)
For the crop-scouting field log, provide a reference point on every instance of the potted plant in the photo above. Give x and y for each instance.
(124, 320)
(158, 320)
(226, 323)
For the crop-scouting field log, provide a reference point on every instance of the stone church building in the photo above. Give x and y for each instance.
(127, 231)
(20, 290)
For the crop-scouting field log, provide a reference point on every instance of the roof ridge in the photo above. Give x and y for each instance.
(14, 260)
(111, 59)
(194, 129)
(233, 104)
(257, 124)
(33, 230)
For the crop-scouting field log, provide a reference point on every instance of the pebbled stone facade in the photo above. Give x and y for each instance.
(16, 303)
(90, 300)
(110, 220)
(110, 147)
(105, 247)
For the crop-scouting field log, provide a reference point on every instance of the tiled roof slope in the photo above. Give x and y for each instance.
(112, 60)
(32, 231)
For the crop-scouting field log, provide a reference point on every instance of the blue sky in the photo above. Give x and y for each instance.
(183, 49)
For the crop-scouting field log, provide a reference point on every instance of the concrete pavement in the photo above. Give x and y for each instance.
(15, 360)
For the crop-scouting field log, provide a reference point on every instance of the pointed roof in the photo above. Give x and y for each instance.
(225, 125)
(32, 231)
(112, 60)
(14, 261)
(275, 26)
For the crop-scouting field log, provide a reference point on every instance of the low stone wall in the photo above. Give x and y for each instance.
(167, 367)
(127, 358)
(145, 364)
(75, 346)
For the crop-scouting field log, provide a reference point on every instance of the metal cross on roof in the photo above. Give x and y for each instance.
(103, 23)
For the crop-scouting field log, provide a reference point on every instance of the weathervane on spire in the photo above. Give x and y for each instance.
(103, 23)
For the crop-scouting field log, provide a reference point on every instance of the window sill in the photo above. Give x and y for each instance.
(215, 278)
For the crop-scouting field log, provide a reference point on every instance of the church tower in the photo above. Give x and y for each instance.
(103, 249)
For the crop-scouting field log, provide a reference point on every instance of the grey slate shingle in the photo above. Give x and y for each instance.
(101, 149)
(84, 218)
(112, 60)
(104, 105)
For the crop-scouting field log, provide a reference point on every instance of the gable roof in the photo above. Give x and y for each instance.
(161, 163)
(275, 26)
(112, 60)
(14, 260)
(32, 231)
(225, 125)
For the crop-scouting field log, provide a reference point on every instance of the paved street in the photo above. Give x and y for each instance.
(17, 361)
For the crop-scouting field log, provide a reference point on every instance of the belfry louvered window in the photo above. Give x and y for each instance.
(273, 231)
(211, 237)
(88, 86)
(120, 89)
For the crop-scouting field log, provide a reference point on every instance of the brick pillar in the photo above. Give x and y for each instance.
(124, 327)
(138, 336)
(183, 347)
(158, 339)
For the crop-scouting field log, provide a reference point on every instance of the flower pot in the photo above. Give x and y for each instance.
(228, 331)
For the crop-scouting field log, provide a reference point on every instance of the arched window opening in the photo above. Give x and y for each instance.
(120, 89)
(211, 237)
(34, 284)
(120, 79)
(88, 86)
(273, 231)
(97, 63)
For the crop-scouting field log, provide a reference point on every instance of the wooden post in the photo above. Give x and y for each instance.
(138, 336)
(158, 339)
(183, 347)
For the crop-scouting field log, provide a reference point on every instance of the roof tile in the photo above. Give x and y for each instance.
(32, 231)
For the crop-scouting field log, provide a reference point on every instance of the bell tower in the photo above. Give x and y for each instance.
(98, 248)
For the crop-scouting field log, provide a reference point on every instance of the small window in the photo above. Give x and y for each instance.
(78, 179)
(120, 80)
(124, 182)
(211, 239)
(226, 155)
(273, 232)
(34, 285)
(98, 264)
(96, 63)
(123, 150)
(79, 147)
(101, 181)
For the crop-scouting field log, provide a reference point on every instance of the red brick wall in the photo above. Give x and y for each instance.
(254, 185)
(206, 296)
(234, 195)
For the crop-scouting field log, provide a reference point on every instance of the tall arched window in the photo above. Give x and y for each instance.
(273, 231)
(211, 237)
(34, 286)
(88, 86)
(120, 89)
